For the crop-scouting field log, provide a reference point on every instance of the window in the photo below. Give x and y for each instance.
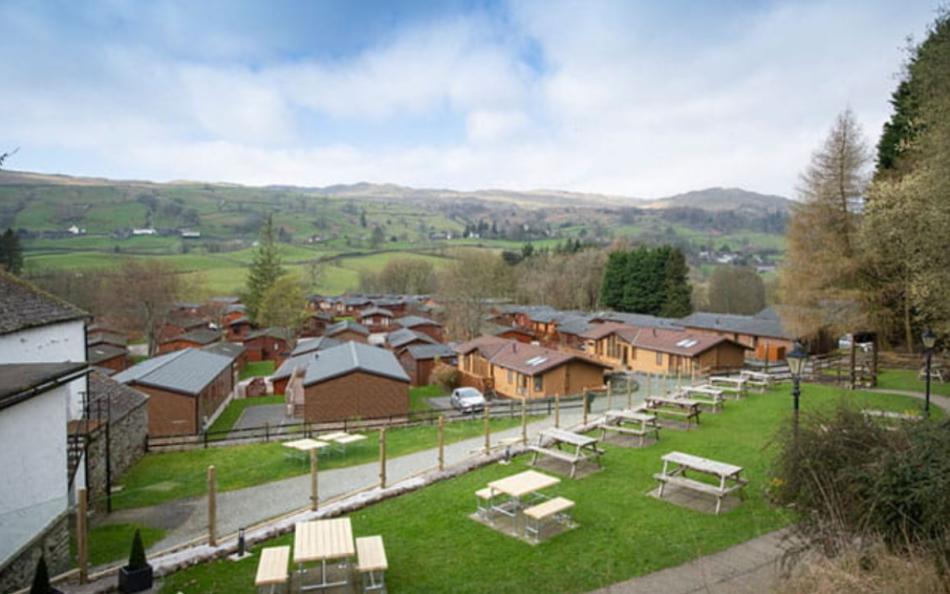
(538, 383)
(633, 353)
(511, 376)
(659, 358)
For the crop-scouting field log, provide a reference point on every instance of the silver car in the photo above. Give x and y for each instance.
(467, 400)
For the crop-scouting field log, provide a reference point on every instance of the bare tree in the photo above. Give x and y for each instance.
(466, 285)
(7, 155)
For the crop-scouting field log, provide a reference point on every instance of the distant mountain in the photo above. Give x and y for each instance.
(718, 199)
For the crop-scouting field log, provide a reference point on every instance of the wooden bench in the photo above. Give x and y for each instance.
(555, 453)
(646, 424)
(370, 561)
(272, 569)
(705, 395)
(681, 407)
(483, 501)
(556, 508)
(729, 476)
(583, 446)
(935, 373)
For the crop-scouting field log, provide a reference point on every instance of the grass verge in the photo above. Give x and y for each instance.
(419, 396)
(230, 415)
(257, 369)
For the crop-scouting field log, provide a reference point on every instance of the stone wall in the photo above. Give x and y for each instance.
(127, 435)
(53, 543)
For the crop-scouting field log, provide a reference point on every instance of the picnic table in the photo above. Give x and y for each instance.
(272, 569)
(584, 448)
(342, 439)
(757, 379)
(705, 395)
(518, 486)
(305, 445)
(323, 540)
(890, 415)
(620, 421)
(683, 407)
(733, 384)
(936, 373)
(676, 464)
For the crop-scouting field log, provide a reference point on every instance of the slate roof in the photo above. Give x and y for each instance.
(188, 371)
(678, 342)
(375, 311)
(430, 351)
(231, 350)
(350, 357)
(290, 363)
(766, 325)
(574, 325)
(198, 336)
(639, 320)
(241, 320)
(229, 299)
(106, 337)
(532, 360)
(23, 305)
(271, 333)
(314, 344)
(235, 307)
(18, 380)
(98, 353)
(413, 321)
(346, 325)
(487, 346)
(404, 336)
(108, 395)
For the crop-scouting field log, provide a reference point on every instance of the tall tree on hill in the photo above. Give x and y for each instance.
(11, 255)
(735, 290)
(677, 292)
(265, 269)
(139, 296)
(283, 304)
(645, 280)
(611, 289)
(821, 263)
(465, 286)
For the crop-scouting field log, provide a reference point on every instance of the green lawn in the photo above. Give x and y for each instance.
(433, 546)
(162, 477)
(258, 369)
(232, 412)
(904, 379)
(419, 395)
(113, 542)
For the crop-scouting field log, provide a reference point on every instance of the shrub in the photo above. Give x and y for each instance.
(41, 583)
(137, 556)
(446, 377)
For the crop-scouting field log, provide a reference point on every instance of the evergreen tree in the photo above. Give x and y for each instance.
(677, 291)
(611, 290)
(11, 255)
(265, 269)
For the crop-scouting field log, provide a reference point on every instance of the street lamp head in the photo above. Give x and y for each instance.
(929, 339)
(796, 360)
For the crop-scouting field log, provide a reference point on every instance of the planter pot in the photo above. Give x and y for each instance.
(135, 580)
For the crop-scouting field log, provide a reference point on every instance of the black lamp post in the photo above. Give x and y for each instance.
(929, 339)
(796, 365)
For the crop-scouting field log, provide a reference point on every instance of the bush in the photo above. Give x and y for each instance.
(137, 556)
(446, 377)
(853, 480)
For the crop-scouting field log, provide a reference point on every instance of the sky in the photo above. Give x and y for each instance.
(643, 99)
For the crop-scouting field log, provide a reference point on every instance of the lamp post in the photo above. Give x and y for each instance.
(929, 339)
(796, 365)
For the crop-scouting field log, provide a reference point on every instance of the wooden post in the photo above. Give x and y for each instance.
(382, 457)
(852, 361)
(629, 393)
(557, 410)
(586, 406)
(610, 395)
(487, 412)
(441, 442)
(313, 480)
(212, 507)
(524, 420)
(82, 536)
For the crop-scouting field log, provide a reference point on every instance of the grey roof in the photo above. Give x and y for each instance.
(105, 337)
(294, 361)
(109, 396)
(22, 381)
(235, 307)
(199, 336)
(231, 350)
(346, 325)
(98, 353)
(404, 336)
(272, 333)
(753, 325)
(640, 320)
(230, 299)
(431, 351)
(187, 371)
(573, 324)
(23, 306)
(413, 321)
(374, 310)
(353, 356)
(314, 344)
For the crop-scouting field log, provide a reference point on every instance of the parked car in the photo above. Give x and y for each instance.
(467, 400)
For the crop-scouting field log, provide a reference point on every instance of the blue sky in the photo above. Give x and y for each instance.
(633, 98)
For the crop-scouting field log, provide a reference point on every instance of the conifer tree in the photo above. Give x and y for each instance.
(265, 269)
(677, 292)
(11, 255)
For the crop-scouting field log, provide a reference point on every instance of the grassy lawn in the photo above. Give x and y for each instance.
(113, 542)
(418, 397)
(162, 477)
(904, 379)
(257, 369)
(433, 546)
(232, 413)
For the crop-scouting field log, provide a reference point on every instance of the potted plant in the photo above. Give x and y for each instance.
(41, 583)
(137, 575)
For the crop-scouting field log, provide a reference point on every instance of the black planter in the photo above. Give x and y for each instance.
(135, 580)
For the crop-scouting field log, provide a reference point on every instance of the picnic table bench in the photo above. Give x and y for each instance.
(305, 445)
(705, 395)
(323, 540)
(890, 415)
(756, 379)
(584, 448)
(272, 569)
(620, 421)
(732, 384)
(371, 560)
(935, 373)
(557, 509)
(682, 407)
(728, 475)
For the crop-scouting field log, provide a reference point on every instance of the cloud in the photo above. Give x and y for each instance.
(618, 97)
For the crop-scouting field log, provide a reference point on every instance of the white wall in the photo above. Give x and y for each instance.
(50, 344)
(33, 489)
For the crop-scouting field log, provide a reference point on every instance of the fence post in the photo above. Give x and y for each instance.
(82, 536)
(610, 395)
(313, 480)
(204, 438)
(524, 420)
(629, 393)
(511, 409)
(441, 443)
(212, 507)
(382, 457)
(487, 430)
(266, 431)
(557, 410)
(586, 406)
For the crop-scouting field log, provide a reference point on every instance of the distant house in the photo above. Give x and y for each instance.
(404, 337)
(190, 234)
(144, 231)
(349, 381)
(233, 311)
(237, 329)
(376, 319)
(234, 351)
(270, 344)
(312, 345)
(347, 330)
(764, 333)
(425, 326)
(108, 356)
(350, 305)
(193, 339)
(419, 360)
(180, 322)
(34, 492)
(513, 333)
(315, 323)
(186, 389)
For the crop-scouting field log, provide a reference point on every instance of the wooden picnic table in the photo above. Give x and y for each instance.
(305, 445)
(323, 540)
(620, 421)
(936, 373)
(706, 395)
(732, 384)
(890, 415)
(272, 568)
(683, 407)
(516, 487)
(729, 475)
(585, 448)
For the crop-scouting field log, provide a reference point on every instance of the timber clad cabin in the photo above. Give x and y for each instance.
(299, 357)
(107, 356)
(430, 328)
(348, 330)
(270, 344)
(518, 370)
(238, 329)
(195, 339)
(376, 319)
(315, 324)
(420, 359)
(349, 381)
(186, 389)
(404, 338)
